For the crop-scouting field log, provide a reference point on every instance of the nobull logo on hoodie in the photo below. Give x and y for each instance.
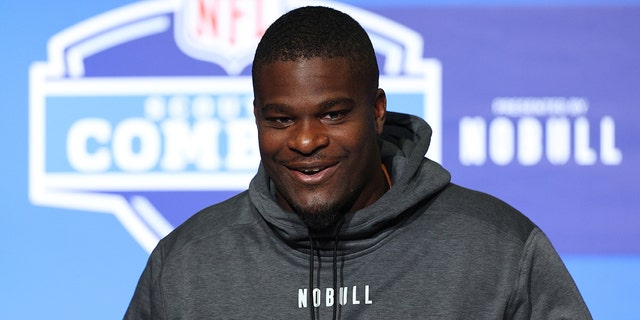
(145, 112)
(345, 295)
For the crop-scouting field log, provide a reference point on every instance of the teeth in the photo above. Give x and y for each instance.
(310, 171)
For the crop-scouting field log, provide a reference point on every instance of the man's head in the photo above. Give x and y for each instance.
(319, 114)
(318, 32)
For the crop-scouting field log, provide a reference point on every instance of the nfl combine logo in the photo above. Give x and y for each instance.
(145, 112)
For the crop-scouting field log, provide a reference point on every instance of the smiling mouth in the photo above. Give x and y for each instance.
(311, 175)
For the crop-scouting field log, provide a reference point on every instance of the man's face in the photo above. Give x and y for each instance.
(318, 127)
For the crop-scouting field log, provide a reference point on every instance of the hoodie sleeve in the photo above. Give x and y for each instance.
(544, 288)
(147, 301)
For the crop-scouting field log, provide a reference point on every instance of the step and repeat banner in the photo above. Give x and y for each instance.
(135, 115)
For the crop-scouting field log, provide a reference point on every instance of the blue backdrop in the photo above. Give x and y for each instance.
(532, 101)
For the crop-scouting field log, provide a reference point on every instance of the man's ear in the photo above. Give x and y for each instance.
(380, 110)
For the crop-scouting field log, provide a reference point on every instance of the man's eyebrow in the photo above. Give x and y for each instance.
(324, 105)
(337, 101)
(274, 107)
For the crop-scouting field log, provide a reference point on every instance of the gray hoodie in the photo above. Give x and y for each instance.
(428, 249)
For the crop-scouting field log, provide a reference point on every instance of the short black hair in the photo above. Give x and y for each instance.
(317, 32)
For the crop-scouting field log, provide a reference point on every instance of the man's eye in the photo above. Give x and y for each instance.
(334, 115)
(280, 121)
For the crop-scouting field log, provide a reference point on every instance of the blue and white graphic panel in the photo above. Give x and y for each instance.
(146, 111)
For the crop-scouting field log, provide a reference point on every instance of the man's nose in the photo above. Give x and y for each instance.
(309, 137)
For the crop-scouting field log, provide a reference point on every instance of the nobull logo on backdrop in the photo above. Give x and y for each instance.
(530, 131)
(145, 112)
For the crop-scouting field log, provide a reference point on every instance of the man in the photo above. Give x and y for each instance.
(346, 218)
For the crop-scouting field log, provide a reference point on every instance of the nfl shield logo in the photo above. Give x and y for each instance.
(225, 32)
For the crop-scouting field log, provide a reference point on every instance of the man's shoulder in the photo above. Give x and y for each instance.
(485, 209)
(211, 222)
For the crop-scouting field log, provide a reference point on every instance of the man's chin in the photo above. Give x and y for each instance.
(320, 217)
(320, 222)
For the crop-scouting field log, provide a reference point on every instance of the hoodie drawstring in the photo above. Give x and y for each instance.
(310, 293)
(335, 274)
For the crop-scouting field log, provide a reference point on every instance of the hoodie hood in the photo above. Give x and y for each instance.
(405, 141)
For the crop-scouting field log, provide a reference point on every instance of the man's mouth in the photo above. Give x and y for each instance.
(311, 175)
